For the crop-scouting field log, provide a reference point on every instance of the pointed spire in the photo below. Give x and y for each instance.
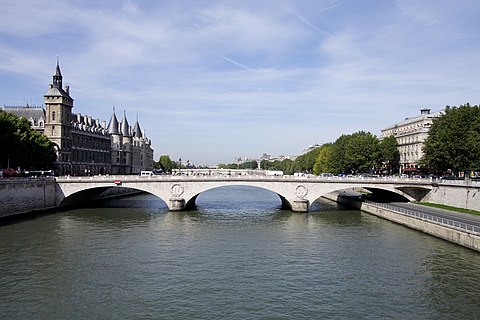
(57, 70)
(113, 124)
(57, 77)
(125, 126)
(137, 132)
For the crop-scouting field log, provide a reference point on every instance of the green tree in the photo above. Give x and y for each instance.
(249, 165)
(264, 164)
(453, 140)
(361, 152)
(337, 161)
(165, 163)
(305, 162)
(323, 163)
(389, 154)
(23, 146)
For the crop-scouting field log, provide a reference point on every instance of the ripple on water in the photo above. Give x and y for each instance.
(249, 260)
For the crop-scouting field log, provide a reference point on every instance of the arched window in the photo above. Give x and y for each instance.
(53, 115)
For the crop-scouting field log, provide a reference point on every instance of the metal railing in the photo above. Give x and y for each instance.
(449, 223)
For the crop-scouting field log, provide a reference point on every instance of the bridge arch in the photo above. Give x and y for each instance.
(80, 194)
(192, 202)
(385, 191)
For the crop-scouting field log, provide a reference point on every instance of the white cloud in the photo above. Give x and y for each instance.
(263, 76)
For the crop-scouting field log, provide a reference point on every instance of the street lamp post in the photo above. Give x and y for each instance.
(180, 166)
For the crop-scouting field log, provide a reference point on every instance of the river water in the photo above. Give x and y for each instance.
(238, 256)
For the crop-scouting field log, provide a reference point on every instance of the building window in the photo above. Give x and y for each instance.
(53, 115)
(53, 130)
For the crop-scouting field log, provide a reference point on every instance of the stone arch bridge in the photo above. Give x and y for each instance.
(180, 192)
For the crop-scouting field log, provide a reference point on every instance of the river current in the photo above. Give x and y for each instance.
(238, 256)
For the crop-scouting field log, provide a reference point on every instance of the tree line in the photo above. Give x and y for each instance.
(360, 152)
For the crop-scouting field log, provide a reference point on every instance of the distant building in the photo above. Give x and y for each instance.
(411, 135)
(83, 145)
(311, 147)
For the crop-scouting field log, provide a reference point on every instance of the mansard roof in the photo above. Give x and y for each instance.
(27, 112)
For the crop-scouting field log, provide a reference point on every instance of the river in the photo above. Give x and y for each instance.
(238, 256)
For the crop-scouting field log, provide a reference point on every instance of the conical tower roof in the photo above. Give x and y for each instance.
(58, 73)
(137, 132)
(125, 126)
(113, 124)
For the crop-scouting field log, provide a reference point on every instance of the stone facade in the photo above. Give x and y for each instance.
(131, 150)
(87, 146)
(411, 135)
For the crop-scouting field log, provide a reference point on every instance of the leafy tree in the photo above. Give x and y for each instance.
(353, 153)
(453, 140)
(306, 161)
(23, 146)
(249, 165)
(389, 154)
(228, 166)
(165, 163)
(323, 163)
(264, 164)
(337, 160)
(361, 152)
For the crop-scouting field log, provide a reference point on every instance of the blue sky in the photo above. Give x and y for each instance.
(214, 80)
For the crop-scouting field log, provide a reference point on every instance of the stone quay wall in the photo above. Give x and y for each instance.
(460, 237)
(456, 193)
(25, 196)
(29, 196)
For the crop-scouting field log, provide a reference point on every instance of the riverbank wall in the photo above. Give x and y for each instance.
(463, 238)
(27, 197)
(456, 193)
(24, 196)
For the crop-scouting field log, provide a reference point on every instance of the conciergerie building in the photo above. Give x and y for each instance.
(84, 145)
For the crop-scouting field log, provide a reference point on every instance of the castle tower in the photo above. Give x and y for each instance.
(59, 106)
(117, 142)
(127, 144)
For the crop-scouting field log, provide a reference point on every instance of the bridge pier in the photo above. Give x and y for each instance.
(300, 205)
(176, 204)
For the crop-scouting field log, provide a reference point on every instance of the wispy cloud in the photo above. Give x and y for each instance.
(269, 76)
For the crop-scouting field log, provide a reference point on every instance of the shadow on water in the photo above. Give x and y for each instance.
(120, 211)
(143, 200)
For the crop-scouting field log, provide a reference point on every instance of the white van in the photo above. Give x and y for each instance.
(147, 174)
